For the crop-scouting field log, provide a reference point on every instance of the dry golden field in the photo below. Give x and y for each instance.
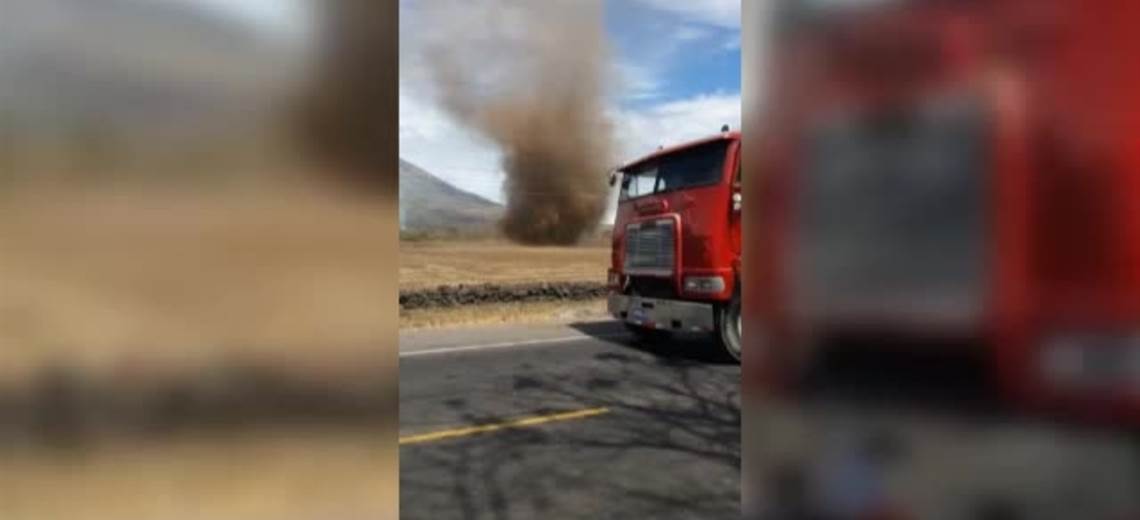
(98, 278)
(431, 263)
(145, 289)
(245, 476)
(425, 264)
(504, 313)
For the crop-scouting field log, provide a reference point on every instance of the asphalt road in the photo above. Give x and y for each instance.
(655, 433)
(609, 429)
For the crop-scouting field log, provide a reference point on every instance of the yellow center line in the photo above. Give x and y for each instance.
(515, 423)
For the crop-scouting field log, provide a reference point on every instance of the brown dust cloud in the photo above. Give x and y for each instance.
(530, 77)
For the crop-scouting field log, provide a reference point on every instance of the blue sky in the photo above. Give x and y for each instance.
(690, 51)
(676, 71)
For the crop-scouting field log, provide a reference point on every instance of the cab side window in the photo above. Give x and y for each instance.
(638, 183)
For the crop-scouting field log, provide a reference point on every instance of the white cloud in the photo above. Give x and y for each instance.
(680, 32)
(637, 81)
(432, 140)
(721, 13)
(640, 131)
(689, 33)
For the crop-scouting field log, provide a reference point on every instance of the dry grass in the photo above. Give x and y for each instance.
(426, 264)
(99, 278)
(433, 263)
(502, 313)
(251, 476)
(149, 285)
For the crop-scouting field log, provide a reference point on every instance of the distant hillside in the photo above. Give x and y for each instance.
(427, 203)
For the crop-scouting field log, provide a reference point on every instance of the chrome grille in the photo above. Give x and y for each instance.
(650, 248)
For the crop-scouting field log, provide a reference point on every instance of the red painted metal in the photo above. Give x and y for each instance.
(707, 231)
(1060, 80)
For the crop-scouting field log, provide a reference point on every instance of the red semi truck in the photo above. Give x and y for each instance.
(952, 173)
(676, 242)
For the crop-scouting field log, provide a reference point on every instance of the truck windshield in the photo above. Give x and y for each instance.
(701, 165)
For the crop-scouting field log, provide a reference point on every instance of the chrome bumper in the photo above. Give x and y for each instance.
(663, 314)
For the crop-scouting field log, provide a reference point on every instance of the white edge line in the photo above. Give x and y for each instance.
(489, 346)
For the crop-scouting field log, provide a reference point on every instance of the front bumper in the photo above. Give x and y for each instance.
(656, 313)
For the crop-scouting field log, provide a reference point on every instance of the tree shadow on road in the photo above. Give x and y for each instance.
(668, 447)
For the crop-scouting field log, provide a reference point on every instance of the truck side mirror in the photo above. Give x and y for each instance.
(613, 179)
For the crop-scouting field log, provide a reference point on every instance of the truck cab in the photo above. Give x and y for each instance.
(676, 242)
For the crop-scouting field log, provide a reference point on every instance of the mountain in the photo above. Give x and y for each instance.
(427, 203)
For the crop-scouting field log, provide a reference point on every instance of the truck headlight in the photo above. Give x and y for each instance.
(614, 279)
(704, 284)
(1092, 360)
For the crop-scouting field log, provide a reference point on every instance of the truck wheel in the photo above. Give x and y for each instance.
(728, 327)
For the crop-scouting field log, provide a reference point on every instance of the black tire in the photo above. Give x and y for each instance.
(728, 327)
